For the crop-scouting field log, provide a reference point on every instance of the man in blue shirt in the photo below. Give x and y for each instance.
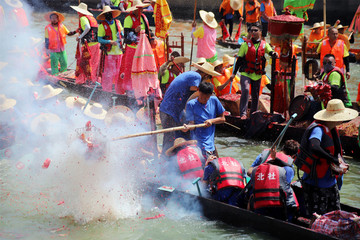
(205, 109)
(173, 104)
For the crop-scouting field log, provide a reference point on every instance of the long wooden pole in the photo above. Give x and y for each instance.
(324, 10)
(192, 39)
(159, 131)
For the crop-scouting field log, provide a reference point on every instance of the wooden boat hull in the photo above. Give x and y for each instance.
(215, 210)
(105, 98)
(350, 144)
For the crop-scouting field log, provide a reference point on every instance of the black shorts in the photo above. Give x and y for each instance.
(264, 28)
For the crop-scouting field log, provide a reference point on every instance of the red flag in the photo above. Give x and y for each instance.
(225, 32)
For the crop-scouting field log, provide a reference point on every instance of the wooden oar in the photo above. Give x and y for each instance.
(192, 39)
(159, 131)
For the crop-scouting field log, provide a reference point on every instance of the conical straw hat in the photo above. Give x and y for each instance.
(208, 18)
(82, 8)
(336, 112)
(107, 9)
(6, 103)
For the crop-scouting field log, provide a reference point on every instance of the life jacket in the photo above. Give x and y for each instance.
(308, 162)
(287, 160)
(226, 6)
(255, 58)
(222, 79)
(56, 35)
(228, 173)
(255, 16)
(314, 37)
(268, 186)
(337, 50)
(91, 36)
(269, 9)
(342, 93)
(137, 22)
(172, 76)
(108, 33)
(19, 15)
(189, 160)
(159, 53)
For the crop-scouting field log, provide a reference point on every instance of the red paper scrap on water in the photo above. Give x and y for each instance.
(155, 217)
(61, 202)
(46, 163)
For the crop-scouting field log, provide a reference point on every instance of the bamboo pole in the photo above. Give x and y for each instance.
(192, 39)
(324, 10)
(159, 131)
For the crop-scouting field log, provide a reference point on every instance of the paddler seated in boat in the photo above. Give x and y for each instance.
(186, 157)
(320, 158)
(272, 194)
(223, 83)
(55, 40)
(176, 96)
(251, 62)
(206, 35)
(207, 109)
(333, 76)
(337, 47)
(315, 37)
(226, 178)
(175, 68)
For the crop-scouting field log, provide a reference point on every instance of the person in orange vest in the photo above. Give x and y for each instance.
(222, 83)
(252, 12)
(336, 47)
(109, 36)
(158, 50)
(134, 22)
(86, 68)
(267, 10)
(226, 178)
(316, 35)
(227, 15)
(187, 158)
(55, 40)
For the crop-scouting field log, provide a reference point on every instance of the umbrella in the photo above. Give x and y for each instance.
(144, 71)
(163, 18)
(355, 22)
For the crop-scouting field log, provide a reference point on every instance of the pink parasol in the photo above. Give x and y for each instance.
(355, 24)
(144, 71)
(285, 26)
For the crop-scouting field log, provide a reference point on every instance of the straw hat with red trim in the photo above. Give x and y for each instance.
(136, 5)
(208, 18)
(47, 16)
(14, 3)
(179, 142)
(95, 111)
(207, 68)
(82, 8)
(200, 61)
(217, 63)
(48, 91)
(75, 102)
(336, 112)
(6, 103)
(119, 115)
(341, 26)
(315, 26)
(228, 60)
(107, 9)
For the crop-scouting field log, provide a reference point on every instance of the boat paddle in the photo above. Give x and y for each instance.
(276, 143)
(91, 94)
(165, 130)
(233, 72)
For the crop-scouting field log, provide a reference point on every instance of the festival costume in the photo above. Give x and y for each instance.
(89, 58)
(226, 178)
(57, 39)
(112, 61)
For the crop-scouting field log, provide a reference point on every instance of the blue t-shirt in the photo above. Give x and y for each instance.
(199, 113)
(328, 180)
(178, 93)
(289, 170)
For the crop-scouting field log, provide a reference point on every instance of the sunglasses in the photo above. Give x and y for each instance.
(254, 30)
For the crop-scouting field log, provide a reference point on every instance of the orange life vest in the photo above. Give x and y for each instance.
(269, 9)
(19, 16)
(159, 53)
(56, 35)
(337, 50)
(226, 6)
(222, 79)
(255, 16)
